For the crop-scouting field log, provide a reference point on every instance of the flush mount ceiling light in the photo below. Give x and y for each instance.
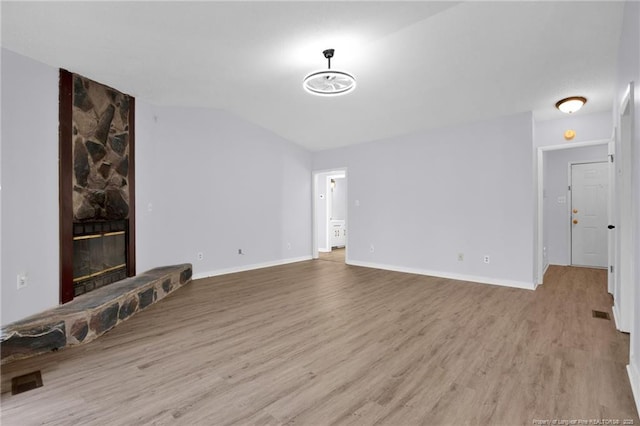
(571, 104)
(329, 82)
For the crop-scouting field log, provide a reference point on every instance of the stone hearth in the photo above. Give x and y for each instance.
(91, 315)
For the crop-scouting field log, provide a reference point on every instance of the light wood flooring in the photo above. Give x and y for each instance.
(335, 255)
(319, 343)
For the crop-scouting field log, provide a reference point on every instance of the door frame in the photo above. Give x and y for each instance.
(539, 237)
(570, 207)
(315, 193)
(624, 271)
(612, 234)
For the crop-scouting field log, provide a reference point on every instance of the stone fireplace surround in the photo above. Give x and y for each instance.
(96, 196)
(97, 185)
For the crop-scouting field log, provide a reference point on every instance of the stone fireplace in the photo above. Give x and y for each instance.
(96, 185)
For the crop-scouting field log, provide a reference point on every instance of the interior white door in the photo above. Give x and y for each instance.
(611, 207)
(625, 259)
(589, 200)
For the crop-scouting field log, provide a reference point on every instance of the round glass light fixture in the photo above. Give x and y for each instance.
(571, 104)
(329, 82)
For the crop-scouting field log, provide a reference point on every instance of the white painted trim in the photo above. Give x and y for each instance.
(538, 256)
(314, 230)
(624, 291)
(616, 318)
(328, 208)
(626, 98)
(634, 379)
(539, 170)
(315, 174)
(569, 196)
(574, 145)
(611, 210)
(452, 276)
(250, 267)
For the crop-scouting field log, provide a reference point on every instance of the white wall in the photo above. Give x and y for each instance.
(556, 214)
(629, 70)
(29, 176)
(424, 198)
(212, 183)
(588, 127)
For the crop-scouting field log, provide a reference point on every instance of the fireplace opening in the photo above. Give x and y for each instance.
(99, 254)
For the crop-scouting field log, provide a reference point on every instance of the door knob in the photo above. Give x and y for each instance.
(575, 210)
(611, 226)
(575, 221)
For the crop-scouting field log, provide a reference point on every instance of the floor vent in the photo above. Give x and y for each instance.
(600, 314)
(26, 382)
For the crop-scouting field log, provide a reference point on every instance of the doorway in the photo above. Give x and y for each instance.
(330, 215)
(589, 188)
(558, 201)
(335, 255)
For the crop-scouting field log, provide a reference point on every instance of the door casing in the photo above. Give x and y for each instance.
(315, 193)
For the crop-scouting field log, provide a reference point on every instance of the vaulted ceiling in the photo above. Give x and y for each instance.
(418, 65)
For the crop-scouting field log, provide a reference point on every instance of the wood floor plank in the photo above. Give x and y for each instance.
(321, 342)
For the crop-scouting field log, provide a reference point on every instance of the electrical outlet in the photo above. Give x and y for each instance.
(200, 255)
(372, 248)
(240, 251)
(460, 257)
(288, 246)
(487, 259)
(22, 281)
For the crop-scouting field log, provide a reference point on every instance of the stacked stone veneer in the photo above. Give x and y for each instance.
(89, 316)
(100, 152)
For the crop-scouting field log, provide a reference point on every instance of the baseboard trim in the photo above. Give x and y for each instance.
(250, 267)
(615, 316)
(417, 271)
(616, 319)
(634, 379)
(452, 276)
(540, 280)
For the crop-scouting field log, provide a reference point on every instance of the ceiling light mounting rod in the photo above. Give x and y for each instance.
(328, 54)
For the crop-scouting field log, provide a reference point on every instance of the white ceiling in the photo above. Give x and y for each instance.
(418, 65)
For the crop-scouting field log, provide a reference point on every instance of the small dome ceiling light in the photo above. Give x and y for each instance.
(329, 82)
(571, 104)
